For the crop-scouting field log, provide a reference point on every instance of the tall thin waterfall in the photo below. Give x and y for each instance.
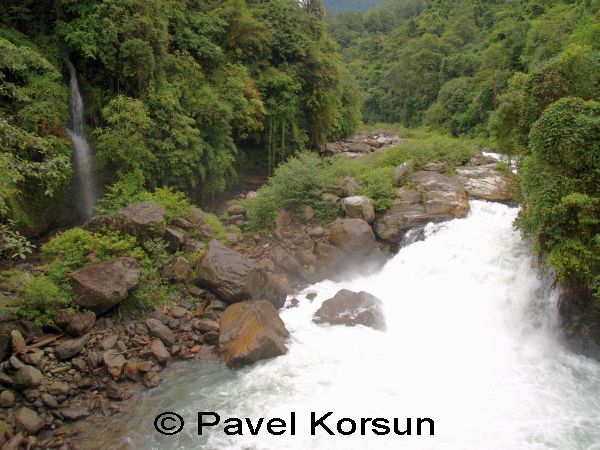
(81, 149)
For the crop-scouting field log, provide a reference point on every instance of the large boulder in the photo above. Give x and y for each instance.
(353, 236)
(101, 286)
(436, 198)
(350, 309)
(359, 207)
(229, 274)
(251, 331)
(442, 195)
(485, 182)
(28, 420)
(345, 188)
(144, 220)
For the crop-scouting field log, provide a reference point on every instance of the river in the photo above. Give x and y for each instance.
(472, 343)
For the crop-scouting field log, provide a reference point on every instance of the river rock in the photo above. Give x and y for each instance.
(485, 182)
(159, 351)
(101, 286)
(28, 420)
(359, 147)
(62, 317)
(115, 392)
(353, 236)
(28, 376)
(144, 220)
(359, 207)
(205, 325)
(193, 245)
(434, 167)
(229, 274)
(59, 388)
(236, 210)
(442, 195)
(251, 331)
(34, 357)
(161, 331)
(151, 379)
(7, 399)
(350, 309)
(113, 362)
(109, 341)
(73, 413)
(81, 323)
(71, 347)
(17, 341)
(49, 400)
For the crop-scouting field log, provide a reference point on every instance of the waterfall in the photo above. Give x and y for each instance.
(471, 342)
(82, 153)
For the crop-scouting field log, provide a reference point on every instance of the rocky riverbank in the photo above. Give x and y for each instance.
(226, 296)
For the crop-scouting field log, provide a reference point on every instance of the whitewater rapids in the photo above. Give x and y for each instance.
(472, 342)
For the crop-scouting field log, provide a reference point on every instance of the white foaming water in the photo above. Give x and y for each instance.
(470, 343)
(81, 149)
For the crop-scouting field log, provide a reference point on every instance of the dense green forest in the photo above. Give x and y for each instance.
(176, 93)
(350, 5)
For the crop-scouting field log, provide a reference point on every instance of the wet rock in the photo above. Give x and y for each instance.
(316, 232)
(109, 342)
(17, 341)
(251, 331)
(71, 347)
(442, 195)
(485, 182)
(6, 379)
(5, 431)
(130, 371)
(31, 394)
(145, 366)
(204, 325)
(211, 337)
(28, 376)
(352, 308)
(161, 331)
(49, 400)
(151, 379)
(101, 286)
(178, 312)
(353, 236)
(94, 359)
(115, 392)
(79, 364)
(14, 443)
(113, 362)
(175, 238)
(34, 357)
(59, 388)
(73, 413)
(85, 383)
(231, 275)
(15, 362)
(81, 323)
(159, 351)
(28, 420)
(359, 207)
(7, 399)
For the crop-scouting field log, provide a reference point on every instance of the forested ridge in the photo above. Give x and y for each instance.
(174, 91)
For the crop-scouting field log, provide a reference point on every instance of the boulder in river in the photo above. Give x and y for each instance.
(350, 309)
(442, 195)
(101, 286)
(229, 274)
(251, 331)
(485, 182)
(353, 236)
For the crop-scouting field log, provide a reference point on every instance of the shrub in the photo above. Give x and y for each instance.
(12, 243)
(379, 185)
(262, 210)
(40, 297)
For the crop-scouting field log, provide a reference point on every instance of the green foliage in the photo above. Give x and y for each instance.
(560, 179)
(130, 189)
(262, 210)
(39, 296)
(12, 243)
(218, 229)
(379, 185)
